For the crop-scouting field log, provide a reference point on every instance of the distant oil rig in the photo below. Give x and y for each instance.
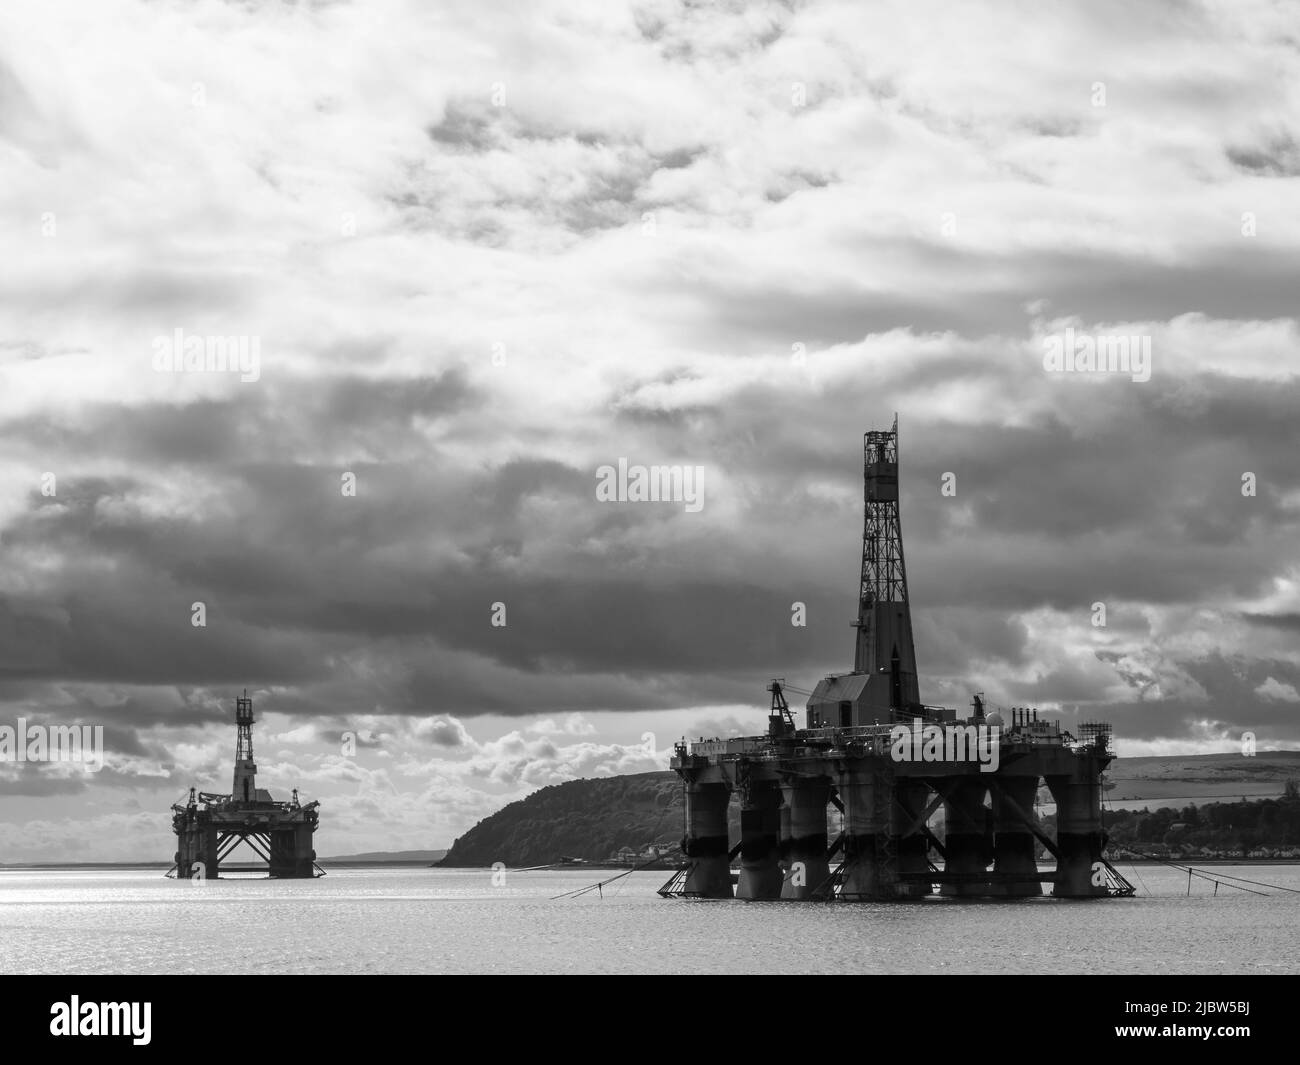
(208, 827)
(872, 750)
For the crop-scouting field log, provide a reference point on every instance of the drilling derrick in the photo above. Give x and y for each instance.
(210, 826)
(245, 783)
(883, 686)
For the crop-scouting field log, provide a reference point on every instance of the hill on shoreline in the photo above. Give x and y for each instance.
(586, 819)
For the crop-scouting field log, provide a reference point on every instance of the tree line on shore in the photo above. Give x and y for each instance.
(1217, 829)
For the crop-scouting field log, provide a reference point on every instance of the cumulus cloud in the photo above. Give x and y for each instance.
(1276, 691)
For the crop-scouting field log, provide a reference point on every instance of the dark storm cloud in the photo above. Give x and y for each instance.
(338, 413)
(72, 703)
(1286, 622)
(1278, 156)
(302, 585)
(1231, 706)
(975, 293)
(951, 640)
(273, 596)
(1123, 478)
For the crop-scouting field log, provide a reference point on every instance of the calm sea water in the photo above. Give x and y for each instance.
(404, 920)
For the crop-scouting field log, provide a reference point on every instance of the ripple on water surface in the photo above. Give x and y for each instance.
(399, 920)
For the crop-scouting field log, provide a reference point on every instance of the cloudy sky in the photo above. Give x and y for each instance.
(482, 250)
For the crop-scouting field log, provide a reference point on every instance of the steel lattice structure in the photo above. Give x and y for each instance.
(884, 573)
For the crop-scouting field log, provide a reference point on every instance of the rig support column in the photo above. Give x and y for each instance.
(967, 839)
(760, 833)
(184, 855)
(865, 786)
(1079, 836)
(1014, 845)
(211, 845)
(912, 847)
(803, 835)
(705, 843)
(197, 844)
(291, 852)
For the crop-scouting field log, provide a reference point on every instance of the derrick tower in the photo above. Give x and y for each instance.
(245, 783)
(883, 686)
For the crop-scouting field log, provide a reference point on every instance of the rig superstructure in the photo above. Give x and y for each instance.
(887, 762)
(209, 826)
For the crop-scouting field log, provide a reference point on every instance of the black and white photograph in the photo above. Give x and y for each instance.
(663, 488)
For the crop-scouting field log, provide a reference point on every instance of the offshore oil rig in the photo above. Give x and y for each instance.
(887, 763)
(209, 826)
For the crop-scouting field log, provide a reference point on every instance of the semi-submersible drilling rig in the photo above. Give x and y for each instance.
(209, 826)
(856, 753)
